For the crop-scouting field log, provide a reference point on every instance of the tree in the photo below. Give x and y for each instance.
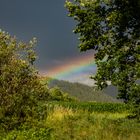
(56, 94)
(20, 87)
(112, 29)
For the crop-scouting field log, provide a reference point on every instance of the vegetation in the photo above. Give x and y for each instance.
(56, 94)
(92, 106)
(112, 30)
(83, 92)
(64, 121)
(21, 90)
(30, 110)
(20, 87)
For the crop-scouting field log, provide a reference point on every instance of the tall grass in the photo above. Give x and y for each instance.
(80, 121)
(71, 124)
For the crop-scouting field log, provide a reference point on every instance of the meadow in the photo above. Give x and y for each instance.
(78, 121)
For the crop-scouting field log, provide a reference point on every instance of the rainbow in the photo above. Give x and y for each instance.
(72, 68)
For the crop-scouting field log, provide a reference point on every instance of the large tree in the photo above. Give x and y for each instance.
(112, 29)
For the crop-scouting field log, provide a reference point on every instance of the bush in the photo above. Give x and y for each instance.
(20, 87)
(56, 94)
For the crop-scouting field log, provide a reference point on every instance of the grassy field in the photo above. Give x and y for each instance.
(79, 121)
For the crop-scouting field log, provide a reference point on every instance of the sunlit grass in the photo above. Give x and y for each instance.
(67, 123)
(58, 113)
(108, 115)
(83, 125)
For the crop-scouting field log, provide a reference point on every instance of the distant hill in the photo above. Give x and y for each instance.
(111, 91)
(84, 92)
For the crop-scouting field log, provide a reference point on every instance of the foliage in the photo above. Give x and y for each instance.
(57, 94)
(112, 29)
(20, 87)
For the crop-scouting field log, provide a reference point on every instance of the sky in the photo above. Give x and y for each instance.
(57, 46)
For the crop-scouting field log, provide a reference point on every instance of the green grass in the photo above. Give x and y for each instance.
(79, 121)
(82, 125)
(93, 106)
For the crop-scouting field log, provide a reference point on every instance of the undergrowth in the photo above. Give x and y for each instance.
(78, 122)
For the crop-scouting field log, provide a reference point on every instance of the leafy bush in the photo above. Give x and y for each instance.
(20, 87)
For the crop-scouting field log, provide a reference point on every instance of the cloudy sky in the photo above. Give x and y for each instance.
(57, 45)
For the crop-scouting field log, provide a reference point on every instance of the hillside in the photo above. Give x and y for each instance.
(111, 91)
(83, 92)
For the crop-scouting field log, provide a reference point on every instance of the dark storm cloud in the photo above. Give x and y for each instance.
(45, 19)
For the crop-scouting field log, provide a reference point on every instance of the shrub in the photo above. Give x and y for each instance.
(19, 83)
(57, 94)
